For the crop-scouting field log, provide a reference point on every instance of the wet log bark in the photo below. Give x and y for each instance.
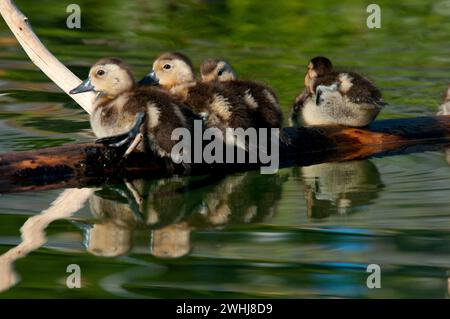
(91, 164)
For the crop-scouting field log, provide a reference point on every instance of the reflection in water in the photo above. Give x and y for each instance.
(339, 187)
(33, 232)
(172, 208)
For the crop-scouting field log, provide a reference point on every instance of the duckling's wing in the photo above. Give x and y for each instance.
(363, 91)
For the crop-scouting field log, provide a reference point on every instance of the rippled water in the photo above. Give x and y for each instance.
(305, 232)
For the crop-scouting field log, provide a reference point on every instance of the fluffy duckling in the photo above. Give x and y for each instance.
(217, 104)
(259, 98)
(444, 108)
(343, 98)
(317, 67)
(124, 112)
(216, 70)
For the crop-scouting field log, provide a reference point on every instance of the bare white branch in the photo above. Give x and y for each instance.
(40, 56)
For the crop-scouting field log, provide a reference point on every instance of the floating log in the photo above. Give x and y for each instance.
(81, 165)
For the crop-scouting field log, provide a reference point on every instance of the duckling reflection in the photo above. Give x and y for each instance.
(172, 208)
(123, 209)
(332, 188)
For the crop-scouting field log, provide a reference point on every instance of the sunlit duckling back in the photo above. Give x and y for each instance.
(259, 98)
(444, 108)
(218, 104)
(338, 98)
(121, 107)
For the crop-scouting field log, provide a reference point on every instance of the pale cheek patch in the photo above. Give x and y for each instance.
(221, 107)
(153, 115)
(250, 100)
(346, 82)
(312, 74)
(183, 72)
(208, 77)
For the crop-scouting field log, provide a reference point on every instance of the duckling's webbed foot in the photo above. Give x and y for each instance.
(133, 136)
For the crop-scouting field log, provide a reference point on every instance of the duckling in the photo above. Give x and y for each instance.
(217, 104)
(124, 112)
(343, 98)
(216, 70)
(444, 108)
(317, 67)
(259, 98)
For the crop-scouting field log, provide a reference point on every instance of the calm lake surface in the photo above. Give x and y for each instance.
(304, 232)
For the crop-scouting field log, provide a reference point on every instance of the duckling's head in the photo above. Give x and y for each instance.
(217, 70)
(109, 77)
(317, 67)
(169, 70)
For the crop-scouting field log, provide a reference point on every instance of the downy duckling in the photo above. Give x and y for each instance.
(259, 98)
(317, 67)
(216, 70)
(217, 104)
(444, 108)
(124, 112)
(340, 98)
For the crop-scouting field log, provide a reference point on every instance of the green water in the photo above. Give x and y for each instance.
(305, 232)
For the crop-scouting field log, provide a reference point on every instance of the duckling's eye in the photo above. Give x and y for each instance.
(167, 66)
(220, 73)
(100, 72)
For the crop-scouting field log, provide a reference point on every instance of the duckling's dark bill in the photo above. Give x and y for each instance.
(149, 79)
(85, 86)
(318, 96)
